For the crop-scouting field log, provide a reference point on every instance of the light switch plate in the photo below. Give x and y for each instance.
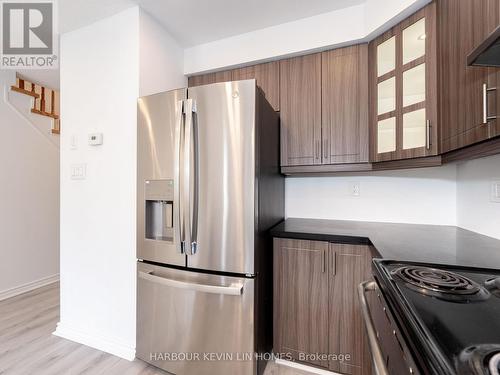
(495, 191)
(74, 142)
(78, 171)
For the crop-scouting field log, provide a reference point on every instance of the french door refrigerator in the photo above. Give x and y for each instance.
(209, 188)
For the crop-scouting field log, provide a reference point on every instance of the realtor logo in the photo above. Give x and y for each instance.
(28, 35)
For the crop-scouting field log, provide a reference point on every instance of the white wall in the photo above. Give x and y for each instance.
(475, 210)
(104, 68)
(333, 29)
(99, 87)
(29, 207)
(161, 58)
(424, 196)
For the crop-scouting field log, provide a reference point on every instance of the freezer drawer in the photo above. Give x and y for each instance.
(191, 323)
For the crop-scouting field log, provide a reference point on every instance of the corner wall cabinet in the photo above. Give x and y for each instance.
(316, 308)
(344, 99)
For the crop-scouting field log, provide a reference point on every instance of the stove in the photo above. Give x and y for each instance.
(446, 318)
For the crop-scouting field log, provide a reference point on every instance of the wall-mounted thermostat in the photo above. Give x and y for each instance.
(95, 139)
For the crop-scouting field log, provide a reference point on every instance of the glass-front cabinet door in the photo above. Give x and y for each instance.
(404, 89)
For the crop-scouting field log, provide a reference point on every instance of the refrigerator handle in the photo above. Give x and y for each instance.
(190, 182)
(195, 182)
(178, 222)
(234, 289)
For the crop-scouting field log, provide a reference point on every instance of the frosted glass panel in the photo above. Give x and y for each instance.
(386, 56)
(386, 135)
(414, 85)
(414, 129)
(387, 96)
(414, 41)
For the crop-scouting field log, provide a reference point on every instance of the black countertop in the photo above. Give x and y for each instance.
(401, 242)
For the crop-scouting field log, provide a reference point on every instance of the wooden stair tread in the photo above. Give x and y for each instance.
(26, 92)
(48, 114)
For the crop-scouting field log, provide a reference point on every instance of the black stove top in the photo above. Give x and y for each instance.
(450, 315)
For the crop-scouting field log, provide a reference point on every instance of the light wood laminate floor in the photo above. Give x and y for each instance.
(27, 346)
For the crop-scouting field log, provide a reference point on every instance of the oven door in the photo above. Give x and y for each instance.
(390, 354)
(193, 323)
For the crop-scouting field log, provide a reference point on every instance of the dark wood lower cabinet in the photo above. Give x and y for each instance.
(316, 309)
(350, 266)
(300, 299)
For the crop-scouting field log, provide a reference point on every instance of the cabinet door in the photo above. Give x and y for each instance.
(463, 25)
(300, 298)
(268, 79)
(345, 105)
(404, 89)
(350, 265)
(300, 110)
(206, 79)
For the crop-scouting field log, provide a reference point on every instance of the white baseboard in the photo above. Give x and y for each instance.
(98, 342)
(299, 366)
(28, 287)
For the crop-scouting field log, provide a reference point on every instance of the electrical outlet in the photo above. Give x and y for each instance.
(355, 189)
(495, 191)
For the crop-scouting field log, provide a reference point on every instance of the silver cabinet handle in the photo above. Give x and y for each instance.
(334, 262)
(234, 289)
(486, 90)
(428, 135)
(179, 131)
(318, 147)
(378, 358)
(324, 261)
(325, 150)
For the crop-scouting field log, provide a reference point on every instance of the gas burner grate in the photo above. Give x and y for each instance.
(440, 283)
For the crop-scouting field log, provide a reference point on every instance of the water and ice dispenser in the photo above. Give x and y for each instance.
(159, 201)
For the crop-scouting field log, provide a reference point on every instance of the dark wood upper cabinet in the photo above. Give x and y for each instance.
(300, 298)
(403, 89)
(267, 76)
(345, 105)
(206, 79)
(350, 265)
(300, 110)
(469, 95)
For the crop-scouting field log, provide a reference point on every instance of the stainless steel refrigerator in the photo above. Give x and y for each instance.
(209, 189)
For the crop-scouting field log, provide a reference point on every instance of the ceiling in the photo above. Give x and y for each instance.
(193, 22)
(190, 22)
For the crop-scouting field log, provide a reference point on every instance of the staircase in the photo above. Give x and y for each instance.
(45, 100)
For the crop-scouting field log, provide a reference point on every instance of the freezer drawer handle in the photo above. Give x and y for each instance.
(378, 358)
(235, 289)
